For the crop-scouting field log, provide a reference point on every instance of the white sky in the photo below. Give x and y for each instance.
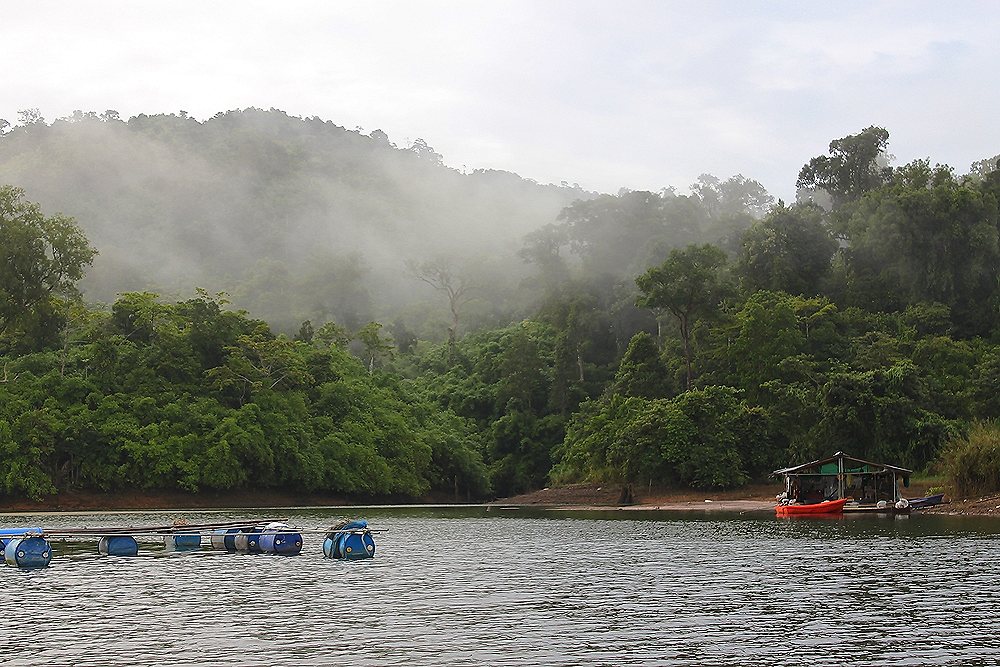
(607, 94)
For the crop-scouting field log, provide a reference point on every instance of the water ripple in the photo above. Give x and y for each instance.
(471, 587)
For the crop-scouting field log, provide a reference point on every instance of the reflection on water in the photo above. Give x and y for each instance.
(467, 586)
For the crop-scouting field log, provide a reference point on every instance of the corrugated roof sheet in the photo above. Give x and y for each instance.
(837, 456)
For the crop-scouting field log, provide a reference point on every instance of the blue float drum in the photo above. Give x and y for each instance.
(36, 554)
(349, 545)
(225, 538)
(7, 534)
(278, 538)
(190, 542)
(28, 552)
(248, 540)
(118, 545)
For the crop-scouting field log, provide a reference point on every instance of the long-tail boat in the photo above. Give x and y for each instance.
(827, 507)
(927, 501)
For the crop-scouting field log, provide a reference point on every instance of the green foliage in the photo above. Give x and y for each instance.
(703, 439)
(851, 169)
(513, 385)
(971, 462)
(879, 415)
(690, 285)
(642, 373)
(928, 237)
(43, 257)
(730, 443)
(789, 250)
(138, 403)
(882, 341)
(21, 462)
(984, 380)
(767, 331)
(377, 346)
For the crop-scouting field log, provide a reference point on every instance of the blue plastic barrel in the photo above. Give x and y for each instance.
(278, 538)
(248, 540)
(28, 552)
(7, 534)
(190, 542)
(225, 538)
(350, 545)
(118, 545)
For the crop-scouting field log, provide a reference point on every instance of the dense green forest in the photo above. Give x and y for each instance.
(690, 340)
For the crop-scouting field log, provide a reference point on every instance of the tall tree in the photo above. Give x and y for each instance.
(851, 169)
(790, 250)
(690, 284)
(443, 276)
(980, 169)
(377, 346)
(928, 237)
(735, 196)
(41, 257)
(642, 373)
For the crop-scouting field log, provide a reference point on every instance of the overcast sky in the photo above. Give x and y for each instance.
(607, 94)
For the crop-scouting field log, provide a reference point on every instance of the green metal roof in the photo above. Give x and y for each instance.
(837, 457)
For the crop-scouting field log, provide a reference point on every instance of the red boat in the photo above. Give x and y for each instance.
(828, 507)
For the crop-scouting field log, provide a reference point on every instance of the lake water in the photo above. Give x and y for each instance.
(471, 586)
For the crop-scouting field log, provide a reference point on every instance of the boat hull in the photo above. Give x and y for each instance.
(828, 507)
(929, 501)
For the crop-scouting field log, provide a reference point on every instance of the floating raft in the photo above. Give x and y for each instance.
(29, 548)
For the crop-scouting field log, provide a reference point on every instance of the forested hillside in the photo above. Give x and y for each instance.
(296, 218)
(695, 340)
(300, 219)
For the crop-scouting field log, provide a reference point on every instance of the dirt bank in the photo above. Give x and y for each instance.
(985, 506)
(591, 496)
(758, 497)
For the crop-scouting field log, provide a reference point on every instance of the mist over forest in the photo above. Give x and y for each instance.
(395, 327)
(300, 219)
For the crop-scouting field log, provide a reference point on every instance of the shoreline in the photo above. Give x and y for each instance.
(753, 498)
(582, 497)
(679, 506)
(155, 501)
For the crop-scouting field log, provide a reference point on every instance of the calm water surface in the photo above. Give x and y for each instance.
(467, 586)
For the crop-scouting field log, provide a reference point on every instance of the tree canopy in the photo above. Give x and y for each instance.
(870, 323)
(43, 258)
(852, 168)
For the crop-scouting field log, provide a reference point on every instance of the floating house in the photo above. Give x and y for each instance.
(867, 486)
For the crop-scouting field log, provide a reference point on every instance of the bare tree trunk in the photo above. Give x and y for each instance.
(627, 496)
(452, 339)
(686, 335)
